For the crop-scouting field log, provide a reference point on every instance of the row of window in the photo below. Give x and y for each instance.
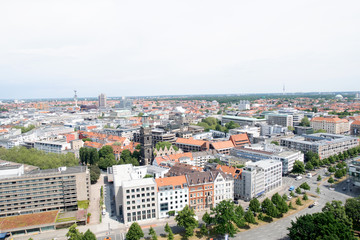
(141, 215)
(139, 189)
(142, 195)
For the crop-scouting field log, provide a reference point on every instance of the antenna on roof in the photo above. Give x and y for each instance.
(283, 89)
(75, 98)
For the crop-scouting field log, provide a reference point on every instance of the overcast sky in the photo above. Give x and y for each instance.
(48, 48)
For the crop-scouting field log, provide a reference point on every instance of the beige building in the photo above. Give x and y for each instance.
(332, 125)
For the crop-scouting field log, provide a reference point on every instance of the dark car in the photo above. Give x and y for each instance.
(311, 205)
(236, 201)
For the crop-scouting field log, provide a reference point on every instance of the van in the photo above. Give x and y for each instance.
(309, 175)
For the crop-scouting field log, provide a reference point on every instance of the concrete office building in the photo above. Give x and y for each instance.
(251, 183)
(355, 128)
(354, 171)
(264, 151)
(284, 120)
(272, 173)
(324, 144)
(242, 121)
(42, 190)
(52, 146)
(135, 196)
(173, 194)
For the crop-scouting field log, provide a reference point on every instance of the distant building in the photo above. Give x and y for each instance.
(333, 125)
(244, 105)
(284, 120)
(52, 146)
(102, 100)
(190, 145)
(354, 171)
(355, 128)
(146, 151)
(242, 121)
(300, 130)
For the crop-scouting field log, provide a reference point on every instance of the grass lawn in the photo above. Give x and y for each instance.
(83, 204)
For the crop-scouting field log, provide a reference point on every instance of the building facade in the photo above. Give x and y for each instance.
(279, 119)
(201, 190)
(333, 125)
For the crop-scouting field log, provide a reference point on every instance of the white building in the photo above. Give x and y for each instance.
(135, 196)
(272, 173)
(52, 146)
(173, 195)
(354, 172)
(251, 183)
(223, 187)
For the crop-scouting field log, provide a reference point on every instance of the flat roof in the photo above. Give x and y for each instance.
(28, 220)
(244, 118)
(138, 182)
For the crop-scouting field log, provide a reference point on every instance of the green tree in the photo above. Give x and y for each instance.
(309, 166)
(290, 205)
(298, 167)
(249, 217)
(305, 197)
(203, 230)
(275, 142)
(352, 209)
(207, 218)
(170, 235)
(338, 211)
(105, 151)
(186, 219)
(135, 232)
(338, 173)
(73, 233)
(285, 197)
(318, 190)
(88, 235)
(276, 198)
(167, 228)
(319, 226)
(255, 205)
(94, 173)
(224, 217)
(298, 190)
(331, 180)
(305, 186)
(331, 169)
(107, 161)
(298, 201)
(152, 233)
(318, 178)
(305, 122)
(266, 204)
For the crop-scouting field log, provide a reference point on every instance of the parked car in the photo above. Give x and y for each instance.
(309, 175)
(289, 197)
(291, 188)
(311, 205)
(298, 177)
(236, 201)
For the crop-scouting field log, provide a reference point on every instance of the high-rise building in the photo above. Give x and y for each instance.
(102, 100)
(146, 151)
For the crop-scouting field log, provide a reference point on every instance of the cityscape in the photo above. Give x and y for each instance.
(179, 120)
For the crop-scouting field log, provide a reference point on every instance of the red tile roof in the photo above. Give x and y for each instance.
(222, 145)
(171, 181)
(190, 141)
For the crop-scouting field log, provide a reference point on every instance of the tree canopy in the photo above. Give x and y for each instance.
(186, 219)
(135, 232)
(298, 167)
(38, 158)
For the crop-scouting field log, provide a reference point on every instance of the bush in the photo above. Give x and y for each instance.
(305, 197)
(298, 202)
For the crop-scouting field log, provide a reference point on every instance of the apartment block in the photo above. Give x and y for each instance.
(251, 183)
(191, 145)
(236, 175)
(52, 146)
(223, 187)
(272, 173)
(355, 128)
(354, 171)
(242, 121)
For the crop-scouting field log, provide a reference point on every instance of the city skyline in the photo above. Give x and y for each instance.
(168, 48)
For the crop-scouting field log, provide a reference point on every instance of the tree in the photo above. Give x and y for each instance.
(255, 205)
(94, 173)
(338, 211)
(203, 230)
(249, 217)
(318, 190)
(331, 169)
(331, 180)
(276, 198)
(298, 167)
(239, 212)
(282, 207)
(93, 156)
(290, 205)
(285, 197)
(305, 122)
(298, 190)
(318, 178)
(298, 201)
(170, 235)
(185, 219)
(167, 229)
(207, 218)
(339, 173)
(107, 161)
(152, 233)
(305, 197)
(105, 151)
(266, 204)
(352, 209)
(275, 142)
(305, 186)
(319, 226)
(309, 166)
(88, 235)
(135, 232)
(73, 233)
(224, 218)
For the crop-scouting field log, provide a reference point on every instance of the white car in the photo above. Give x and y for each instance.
(315, 203)
(298, 177)
(289, 197)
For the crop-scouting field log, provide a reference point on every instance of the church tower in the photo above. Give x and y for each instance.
(146, 151)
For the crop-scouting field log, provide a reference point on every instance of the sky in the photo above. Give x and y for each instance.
(48, 48)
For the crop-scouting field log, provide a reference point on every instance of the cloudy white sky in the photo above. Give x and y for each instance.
(48, 48)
